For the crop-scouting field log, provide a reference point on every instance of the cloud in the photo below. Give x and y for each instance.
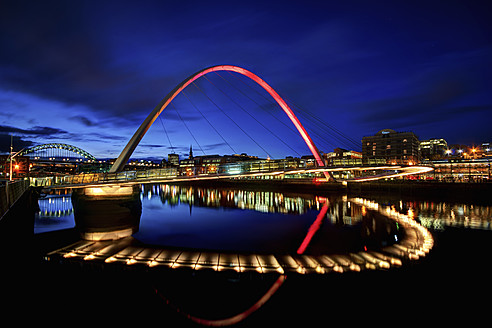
(152, 146)
(84, 120)
(36, 131)
(18, 143)
(19, 135)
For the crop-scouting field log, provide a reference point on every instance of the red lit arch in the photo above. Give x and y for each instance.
(134, 141)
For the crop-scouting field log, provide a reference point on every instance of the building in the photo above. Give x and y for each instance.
(391, 147)
(433, 149)
(173, 159)
(455, 169)
(343, 157)
(20, 167)
(265, 165)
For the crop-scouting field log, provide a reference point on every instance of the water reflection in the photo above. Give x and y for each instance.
(55, 206)
(375, 221)
(439, 215)
(261, 201)
(257, 221)
(56, 211)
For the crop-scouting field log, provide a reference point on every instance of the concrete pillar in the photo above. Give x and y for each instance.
(107, 212)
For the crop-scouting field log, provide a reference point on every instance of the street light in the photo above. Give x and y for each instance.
(12, 157)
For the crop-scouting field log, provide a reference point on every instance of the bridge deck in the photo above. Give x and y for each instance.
(127, 252)
(171, 175)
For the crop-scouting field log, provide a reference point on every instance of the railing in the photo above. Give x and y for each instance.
(172, 174)
(10, 192)
(90, 178)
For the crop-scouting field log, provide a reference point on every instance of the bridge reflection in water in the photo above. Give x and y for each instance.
(385, 243)
(303, 261)
(56, 210)
(386, 250)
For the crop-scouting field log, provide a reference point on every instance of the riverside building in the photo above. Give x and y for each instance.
(391, 147)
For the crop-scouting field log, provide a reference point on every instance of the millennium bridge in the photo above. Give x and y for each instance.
(113, 245)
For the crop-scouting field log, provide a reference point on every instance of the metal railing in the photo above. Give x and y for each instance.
(10, 192)
(95, 178)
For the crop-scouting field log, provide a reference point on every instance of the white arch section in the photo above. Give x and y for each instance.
(134, 141)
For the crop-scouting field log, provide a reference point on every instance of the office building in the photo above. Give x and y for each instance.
(391, 147)
(343, 157)
(433, 149)
(173, 159)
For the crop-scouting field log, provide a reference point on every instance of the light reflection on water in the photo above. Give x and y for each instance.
(243, 220)
(187, 216)
(439, 215)
(55, 213)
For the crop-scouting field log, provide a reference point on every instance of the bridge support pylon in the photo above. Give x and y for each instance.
(107, 212)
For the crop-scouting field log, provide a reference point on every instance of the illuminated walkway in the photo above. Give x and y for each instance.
(170, 175)
(126, 251)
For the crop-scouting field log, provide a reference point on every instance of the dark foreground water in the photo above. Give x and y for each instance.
(450, 285)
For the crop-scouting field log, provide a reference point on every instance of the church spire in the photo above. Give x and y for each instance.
(191, 153)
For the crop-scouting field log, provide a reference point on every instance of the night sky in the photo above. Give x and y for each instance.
(87, 73)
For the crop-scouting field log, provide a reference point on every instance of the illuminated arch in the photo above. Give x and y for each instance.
(67, 147)
(134, 141)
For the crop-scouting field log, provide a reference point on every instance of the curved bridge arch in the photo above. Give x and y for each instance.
(134, 141)
(67, 147)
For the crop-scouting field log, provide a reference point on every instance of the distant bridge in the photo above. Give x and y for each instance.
(56, 151)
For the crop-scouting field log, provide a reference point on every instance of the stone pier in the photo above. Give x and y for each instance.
(107, 212)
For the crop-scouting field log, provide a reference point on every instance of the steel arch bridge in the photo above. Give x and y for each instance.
(60, 146)
(146, 124)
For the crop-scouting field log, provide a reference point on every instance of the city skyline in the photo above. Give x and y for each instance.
(88, 76)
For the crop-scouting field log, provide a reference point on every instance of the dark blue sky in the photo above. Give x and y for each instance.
(87, 73)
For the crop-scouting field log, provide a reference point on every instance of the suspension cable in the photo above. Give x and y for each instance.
(167, 135)
(213, 127)
(187, 128)
(334, 133)
(257, 121)
(223, 112)
(259, 105)
(270, 101)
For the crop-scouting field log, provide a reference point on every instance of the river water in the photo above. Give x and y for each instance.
(265, 222)
(229, 219)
